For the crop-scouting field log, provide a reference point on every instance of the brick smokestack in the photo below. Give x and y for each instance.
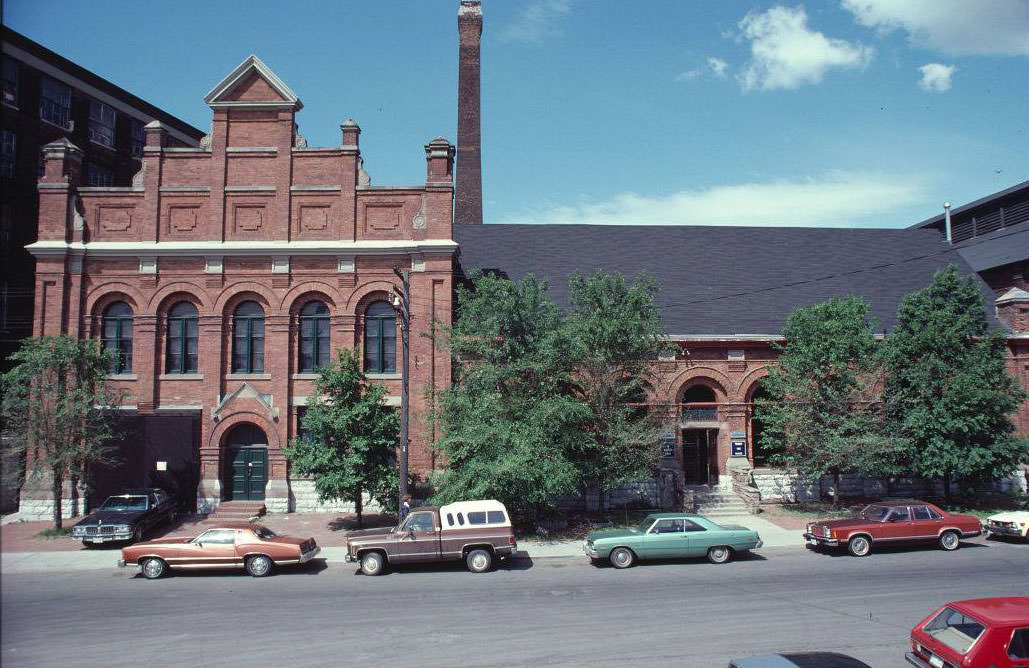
(468, 185)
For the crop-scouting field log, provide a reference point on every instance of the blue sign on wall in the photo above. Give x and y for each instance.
(668, 445)
(739, 449)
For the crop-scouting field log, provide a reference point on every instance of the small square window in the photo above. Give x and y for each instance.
(55, 102)
(496, 517)
(99, 177)
(10, 81)
(477, 518)
(136, 139)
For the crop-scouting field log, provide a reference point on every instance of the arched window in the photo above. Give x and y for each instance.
(699, 404)
(248, 338)
(314, 336)
(380, 338)
(117, 336)
(181, 354)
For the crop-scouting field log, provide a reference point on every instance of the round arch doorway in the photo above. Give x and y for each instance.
(246, 463)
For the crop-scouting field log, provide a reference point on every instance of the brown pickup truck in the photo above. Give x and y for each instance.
(476, 531)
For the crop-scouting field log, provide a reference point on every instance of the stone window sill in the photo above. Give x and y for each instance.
(383, 376)
(122, 376)
(248, 376)
(304, 376)
(181, 376)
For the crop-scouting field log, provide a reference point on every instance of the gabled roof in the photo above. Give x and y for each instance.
(274, 92)
(724, 282)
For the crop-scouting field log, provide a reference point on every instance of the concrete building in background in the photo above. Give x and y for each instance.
(47, 97)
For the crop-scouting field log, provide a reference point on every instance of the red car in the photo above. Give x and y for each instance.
(897, 521)
(230, 545)
(983, 632)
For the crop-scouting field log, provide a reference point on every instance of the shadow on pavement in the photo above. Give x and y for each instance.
(891, 549)
(313, 567)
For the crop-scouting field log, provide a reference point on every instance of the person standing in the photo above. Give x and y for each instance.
(405, 507)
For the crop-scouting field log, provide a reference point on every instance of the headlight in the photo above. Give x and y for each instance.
(122, 528)
(78, 531)
(826, 532)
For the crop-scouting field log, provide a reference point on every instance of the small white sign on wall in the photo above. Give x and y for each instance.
(162, 466)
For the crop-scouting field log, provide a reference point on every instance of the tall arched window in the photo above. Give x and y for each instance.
(380, 338)
(117, 336)
(181, 354)
(314, 336)
(248, 338)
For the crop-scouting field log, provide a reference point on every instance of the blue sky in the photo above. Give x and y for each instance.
(836, 112)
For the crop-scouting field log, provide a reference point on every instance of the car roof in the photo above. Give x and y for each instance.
(998, 611)
(140, 490)
(675, 516)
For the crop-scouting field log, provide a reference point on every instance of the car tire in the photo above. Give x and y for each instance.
(479, 561)
(259, 565)
(719, 554)
(372, 563)
(153, 568)
(950, 541)
(859, 546)
(622, 557)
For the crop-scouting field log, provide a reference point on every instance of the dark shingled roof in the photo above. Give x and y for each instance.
(998, 248)
(724, 280)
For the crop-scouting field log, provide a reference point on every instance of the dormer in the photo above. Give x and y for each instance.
(253, 110)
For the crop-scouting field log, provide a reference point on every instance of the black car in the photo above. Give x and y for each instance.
(126, 516)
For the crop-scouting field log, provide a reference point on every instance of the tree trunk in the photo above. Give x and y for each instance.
(835, 491)
(57, 484)
(358, 507)
(946, 488)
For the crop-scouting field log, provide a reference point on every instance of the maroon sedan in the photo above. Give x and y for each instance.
(230, 545)
(889, 522)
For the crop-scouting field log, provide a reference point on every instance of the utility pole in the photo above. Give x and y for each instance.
(402, 303)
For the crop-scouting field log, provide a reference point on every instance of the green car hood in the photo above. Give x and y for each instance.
(610, 533)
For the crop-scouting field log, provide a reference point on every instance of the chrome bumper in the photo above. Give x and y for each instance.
(308, 556)
(1003, 531)
(812, 539)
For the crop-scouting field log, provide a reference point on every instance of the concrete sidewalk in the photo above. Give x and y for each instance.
(40, 562)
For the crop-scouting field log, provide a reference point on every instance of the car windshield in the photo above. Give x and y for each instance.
(877, 513)
(644, 525)
(124, 503)
(955, 630)
(264, 533)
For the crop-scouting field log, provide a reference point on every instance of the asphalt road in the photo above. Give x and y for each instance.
(554, 612)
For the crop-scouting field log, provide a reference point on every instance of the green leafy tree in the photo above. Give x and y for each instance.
(821, 414)
(57, 410)
(512, 430)
(349, 447)
(616, 334)
(947, 390)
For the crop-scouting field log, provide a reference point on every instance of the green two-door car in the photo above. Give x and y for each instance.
(670, 536)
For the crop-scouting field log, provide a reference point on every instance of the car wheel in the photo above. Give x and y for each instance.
(719, 554)
(478, 561)
(950, 540)
(372, 563)
(622, 557)
(859, 546)
(154, 568)
(259, 566)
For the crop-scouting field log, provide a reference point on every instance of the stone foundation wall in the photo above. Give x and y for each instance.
(42, 510)
(304, 499)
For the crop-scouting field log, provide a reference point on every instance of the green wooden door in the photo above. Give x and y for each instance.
(249, 473)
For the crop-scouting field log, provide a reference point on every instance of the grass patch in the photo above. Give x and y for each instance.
(814, 510)
(52, 533)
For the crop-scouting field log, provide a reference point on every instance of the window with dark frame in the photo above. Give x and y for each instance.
(302, 431)
(248, 338)
(102, 119)
(98, 176)
(9, 153)
(136, 139)
(314, 337)
(116, 337)
(55, 102)
(181, 350)
(380, 338)
(10, 81)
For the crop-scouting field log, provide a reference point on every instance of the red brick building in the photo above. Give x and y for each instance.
(227, 273)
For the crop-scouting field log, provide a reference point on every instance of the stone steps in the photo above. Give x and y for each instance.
(236, 511)
(716, 502)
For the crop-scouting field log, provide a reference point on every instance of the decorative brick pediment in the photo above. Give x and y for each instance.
(245, 398)
(252, 85)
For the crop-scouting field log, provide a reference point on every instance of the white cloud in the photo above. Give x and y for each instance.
(936, 77)
(718, 66)
(984, 27)
(787, 54)
(539, 20)
(838, 199)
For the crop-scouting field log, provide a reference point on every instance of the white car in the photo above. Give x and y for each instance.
(1013, 523)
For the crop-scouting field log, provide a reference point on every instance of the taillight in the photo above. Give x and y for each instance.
(510, 540)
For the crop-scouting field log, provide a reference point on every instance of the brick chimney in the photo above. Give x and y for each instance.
(468, 186)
